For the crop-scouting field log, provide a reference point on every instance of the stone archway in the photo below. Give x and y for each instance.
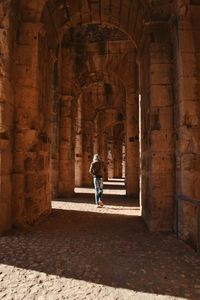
(36, 33)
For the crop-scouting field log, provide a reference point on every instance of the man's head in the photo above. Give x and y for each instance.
(96, 157)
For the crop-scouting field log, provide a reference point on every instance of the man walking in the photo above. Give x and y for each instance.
(97, 169)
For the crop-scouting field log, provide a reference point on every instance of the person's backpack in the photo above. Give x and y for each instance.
(96, 168)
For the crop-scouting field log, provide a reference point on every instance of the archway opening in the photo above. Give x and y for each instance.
(101, 77)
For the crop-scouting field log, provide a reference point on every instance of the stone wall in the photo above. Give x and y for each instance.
(66, 89)
(187, 54)
(32, 177)
(7, 37)
(158, 159)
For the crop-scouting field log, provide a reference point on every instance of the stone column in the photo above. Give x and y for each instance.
(103, 150)
(6, 120)
(55, 104)
(187, 53)
(95, 137)
(157, 123)
(123, 160)
(110, 160)
(117, 159)
(88, 128)
(55, 142)
(132, 144)
(66, 155)
(162, 138)
(79, 145)
(30, 177)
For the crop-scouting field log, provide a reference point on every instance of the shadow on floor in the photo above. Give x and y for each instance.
(113, 250)
(112, 200)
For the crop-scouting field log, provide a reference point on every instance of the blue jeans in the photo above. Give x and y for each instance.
(98, 185)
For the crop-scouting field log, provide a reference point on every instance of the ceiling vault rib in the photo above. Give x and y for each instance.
(110, 10)
(52, 19)
(80, 11)
(100, 10)
(67, 13)
(120, 9)
(136, 17)
(129, 13)
(90, 9)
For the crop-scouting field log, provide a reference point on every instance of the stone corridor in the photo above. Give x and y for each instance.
(117, 78)
(82, 252)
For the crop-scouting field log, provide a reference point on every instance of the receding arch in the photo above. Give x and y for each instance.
(127, 17)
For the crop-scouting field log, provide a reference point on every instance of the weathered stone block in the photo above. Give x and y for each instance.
(161, 95)
(187, 140)
(5, 217)
(6, 189)
(163, 184)
(161, 216)
(190, 65)
(6, 162)
(162, 140)
(160, 53)
(162, 163)
(6, 91)
(166, 118)
(187, 183)
(6, 114)
(189, 88)
(186, 41)
(26, 139)
(4, 42)
(27, 97)
(161, 74)
(189, 113)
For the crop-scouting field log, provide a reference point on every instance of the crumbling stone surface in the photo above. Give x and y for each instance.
(6, 115)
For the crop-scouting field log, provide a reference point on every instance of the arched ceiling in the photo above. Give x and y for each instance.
(127, 15)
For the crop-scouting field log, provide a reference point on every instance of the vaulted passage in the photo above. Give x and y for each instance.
(118, 78)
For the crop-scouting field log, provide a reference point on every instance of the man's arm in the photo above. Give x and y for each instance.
(90, 169)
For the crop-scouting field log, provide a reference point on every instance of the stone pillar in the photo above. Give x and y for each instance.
(95, 137)
(79, 145)
(132, 144)
(123, 160)
(66, 155)
(117, 159)
(103, 150)
(187, 53)
(55, 143)
(110, 160)
(6, 120)
(162, 138)
(157, 137)
(31, 178)
(87, 152)
(55, 104)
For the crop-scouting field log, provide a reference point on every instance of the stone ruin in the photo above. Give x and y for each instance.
(79, 77)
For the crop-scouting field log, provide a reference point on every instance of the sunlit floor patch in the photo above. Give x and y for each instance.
(107, 209)
(19, 283)
(118, 183)
(80, 252)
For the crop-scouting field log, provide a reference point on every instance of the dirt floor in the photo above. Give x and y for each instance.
(84, 252)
